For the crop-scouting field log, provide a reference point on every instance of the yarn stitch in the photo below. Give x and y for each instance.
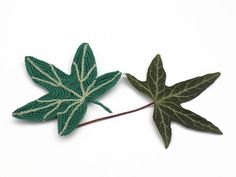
(68, 95)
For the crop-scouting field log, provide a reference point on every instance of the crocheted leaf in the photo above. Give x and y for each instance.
(68, 95)
(167, 100)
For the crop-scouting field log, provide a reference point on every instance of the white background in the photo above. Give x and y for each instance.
(193, 38)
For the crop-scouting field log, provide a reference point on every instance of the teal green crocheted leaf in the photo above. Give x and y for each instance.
(167, 100)
(68, 95)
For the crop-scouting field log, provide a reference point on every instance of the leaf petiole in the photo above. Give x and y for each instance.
(115, 115)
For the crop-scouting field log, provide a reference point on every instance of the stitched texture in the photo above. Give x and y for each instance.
(68, 95)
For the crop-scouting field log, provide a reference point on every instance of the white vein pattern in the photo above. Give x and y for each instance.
(187, 88)
(162, 124)
(56, 81)
(194, 118)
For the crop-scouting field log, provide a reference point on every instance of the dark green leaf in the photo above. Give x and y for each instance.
(188, 118)
(139, 85)
(156, 77)
(162, 120)
(189, 89)
(167, 100)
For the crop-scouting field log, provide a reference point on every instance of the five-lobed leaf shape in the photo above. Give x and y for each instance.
(68, 94)
(167, 100)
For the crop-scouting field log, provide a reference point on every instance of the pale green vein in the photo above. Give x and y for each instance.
(68, 108)
(188, 117)
(102, 85)
(90, 86)
(44, 81)
(54, 100)
(49, 77)
(41, 71)
(163, 123)
(79, 78)
(141, 85)
(71, 91)
(89, 72)
(185, 90)
(35, 110)
(55, 73)
(50, 112)
(150, 91)
(173, 112)
(69, 118)
(83, 58)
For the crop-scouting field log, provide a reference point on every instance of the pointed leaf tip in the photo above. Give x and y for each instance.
(158, 56)
(157, 59)
(168, 99)
(218, 131)
(163, 122)
(27, 58)
(167, 144)
(218, 74)
(85, 43)
(30, 58)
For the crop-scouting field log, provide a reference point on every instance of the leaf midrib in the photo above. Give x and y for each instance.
(184, 90)
(185, 115)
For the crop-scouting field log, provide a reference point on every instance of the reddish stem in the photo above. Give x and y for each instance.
(115, 115)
